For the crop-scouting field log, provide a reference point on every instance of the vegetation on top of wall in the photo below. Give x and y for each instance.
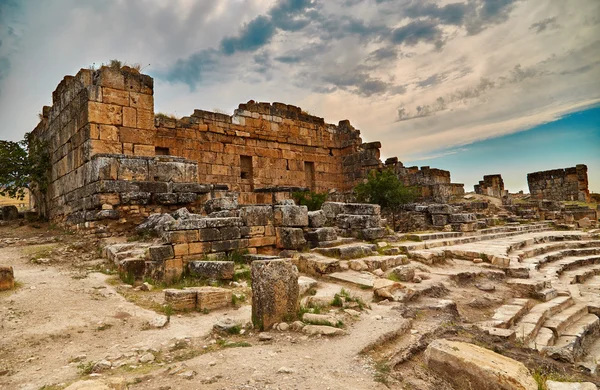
(312, 200)
(385, 189)
(162, 115)
(118, 65)
(24, 166)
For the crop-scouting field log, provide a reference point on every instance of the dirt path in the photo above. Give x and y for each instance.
(56, 316)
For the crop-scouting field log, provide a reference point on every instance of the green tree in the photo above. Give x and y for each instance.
(385, 189)
(25, 165)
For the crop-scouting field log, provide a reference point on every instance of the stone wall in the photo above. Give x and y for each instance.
(265, 146)
(102, 168)
(434, 184)
(491, 185)
(560, 184)
(109, 151)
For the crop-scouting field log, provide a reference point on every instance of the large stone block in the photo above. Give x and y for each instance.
(323, 234)
(219, 204)
(168, 171)
(317, 219)
(135, 197)
(439, 219)
(191, 187)
(257, 215)
(181, 299)
(332, 209)
(371, 234)
(161, 252)
(361, 209)
(468, 366)
(228, 245)
(290, 238)
(290, 215)
(348, 221)
(165, 198)
(275, 292)
(133, 169)
(222, 270)
(7, 278)
(223, 222)
(462, 218)
(10, 213)
(440, 209)
(212, 298)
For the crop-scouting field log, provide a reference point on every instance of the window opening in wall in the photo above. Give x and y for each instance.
(309, 175)
(246, 167)
(161, 151)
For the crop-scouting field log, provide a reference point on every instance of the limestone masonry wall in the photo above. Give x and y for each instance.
(434, 184)
(491, 185)
(114, 159)
(560, 184)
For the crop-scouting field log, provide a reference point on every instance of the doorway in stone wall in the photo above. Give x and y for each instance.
(309, 175)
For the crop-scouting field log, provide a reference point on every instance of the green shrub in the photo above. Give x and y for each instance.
(310, 199)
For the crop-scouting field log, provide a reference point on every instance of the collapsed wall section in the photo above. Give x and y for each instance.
(433, 184)
(491, 185)
(560, 184)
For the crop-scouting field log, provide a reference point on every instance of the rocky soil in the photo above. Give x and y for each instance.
(71, 319)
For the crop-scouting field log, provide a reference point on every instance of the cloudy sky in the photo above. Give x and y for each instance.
(434, 81)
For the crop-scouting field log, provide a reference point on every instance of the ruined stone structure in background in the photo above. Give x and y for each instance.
(434, 184)
(491, 185)
(114, 159)
(560, 184)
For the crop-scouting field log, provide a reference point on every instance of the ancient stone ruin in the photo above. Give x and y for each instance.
(491, 185)
(560, 184)
(114, 159)
(434, 184)
(207, 252)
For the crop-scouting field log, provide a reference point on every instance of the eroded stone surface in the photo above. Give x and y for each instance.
(274, 292)
(469, 366)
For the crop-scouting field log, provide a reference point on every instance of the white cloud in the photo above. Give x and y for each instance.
(329, 67)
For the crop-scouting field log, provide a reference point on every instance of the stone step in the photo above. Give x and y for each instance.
(527, 328)
(559, 322)
(349, 251)
(463, 240)
(363, 279)
(557, 257)
(580, 276)
(433, 236)
(570, 263)
(544, 338)
(529, 287)
(372, 263)
(546, 294)
(315, 264)
(545, 248)
(578, 336)
(507, 315)
(554, 236)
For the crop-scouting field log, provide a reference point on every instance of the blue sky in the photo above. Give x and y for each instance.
(424, 77)
(573, 139)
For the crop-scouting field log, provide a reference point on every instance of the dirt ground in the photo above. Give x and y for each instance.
(65, 314)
